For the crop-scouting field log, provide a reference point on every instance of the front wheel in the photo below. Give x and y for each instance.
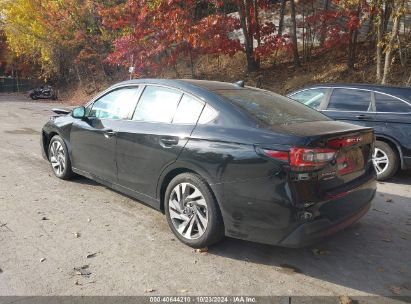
(192, 211)
(385, 160)
(59, 159)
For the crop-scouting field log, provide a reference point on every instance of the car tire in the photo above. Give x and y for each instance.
(59, 158)
(385, 160)
(192, 211)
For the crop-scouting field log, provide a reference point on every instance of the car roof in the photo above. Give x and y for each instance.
(187, 84)
(203, 89)
(402, 92)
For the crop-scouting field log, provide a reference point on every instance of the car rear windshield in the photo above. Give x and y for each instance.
(271, 108)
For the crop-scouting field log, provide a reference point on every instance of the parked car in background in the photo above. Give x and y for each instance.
(219, 159)
(386, 109)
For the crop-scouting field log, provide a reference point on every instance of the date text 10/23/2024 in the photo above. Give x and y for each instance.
(203, 299)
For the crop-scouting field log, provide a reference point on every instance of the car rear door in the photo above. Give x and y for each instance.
(160, 127)
(351, 105)
(93, 139)
(394, 120)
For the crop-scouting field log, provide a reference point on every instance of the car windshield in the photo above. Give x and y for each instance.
(271, 108)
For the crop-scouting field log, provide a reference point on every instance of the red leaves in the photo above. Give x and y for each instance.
(154, 36)
(272, 43)
(333, 26)
(353, 22)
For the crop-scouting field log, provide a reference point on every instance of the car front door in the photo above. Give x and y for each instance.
(161, 126)
(313, 97)
(94, 138)
(351, 105)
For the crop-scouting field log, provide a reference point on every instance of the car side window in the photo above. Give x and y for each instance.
(385, 103)
(157, 104)
(350, 100)
(207, 115)
(311, 97)
(116, 104)
(188, 110)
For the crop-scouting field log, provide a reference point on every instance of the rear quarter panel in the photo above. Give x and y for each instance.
(252, 193)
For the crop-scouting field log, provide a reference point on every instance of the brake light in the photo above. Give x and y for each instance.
(303, 158)
(281, 155)
(344, 142)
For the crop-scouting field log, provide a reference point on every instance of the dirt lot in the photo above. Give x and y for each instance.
(49, 226)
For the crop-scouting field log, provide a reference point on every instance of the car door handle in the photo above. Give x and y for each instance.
(108, 133)
(168, 142)
(363, 116)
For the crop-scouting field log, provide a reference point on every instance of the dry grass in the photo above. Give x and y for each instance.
(282, 77)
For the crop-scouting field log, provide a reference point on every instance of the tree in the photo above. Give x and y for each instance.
(296, 56)
(27, 35)
(4, 54)
(355, 11)
(55, 35)
(282, 13)
(80, 40)
(153, 35)
(244, 11)
(398, 11)
(386, 11)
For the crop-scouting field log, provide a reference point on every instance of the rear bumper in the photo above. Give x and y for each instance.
(261, 219)
(337, 214)
(313, 232)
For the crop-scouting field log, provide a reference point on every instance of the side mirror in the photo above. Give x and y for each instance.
(79, 112)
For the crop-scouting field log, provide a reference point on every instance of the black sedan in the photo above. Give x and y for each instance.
(219, 159)
(386, 109)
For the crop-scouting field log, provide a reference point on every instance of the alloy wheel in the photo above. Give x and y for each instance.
(380, 160)
(188, 211)
(57, 157)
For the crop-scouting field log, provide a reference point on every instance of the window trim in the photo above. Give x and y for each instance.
(110, 90)
(323, 103)
(345, 111)
(372, 91)
(203, 104)
(170, 88)
(183, 92)
(139, 100)
(142, 86)
(393, 97)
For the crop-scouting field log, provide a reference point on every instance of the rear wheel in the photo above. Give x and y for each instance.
(192, 211)
(59, 159)
(385, 160)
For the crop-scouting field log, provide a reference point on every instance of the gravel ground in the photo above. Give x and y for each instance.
(49, 227)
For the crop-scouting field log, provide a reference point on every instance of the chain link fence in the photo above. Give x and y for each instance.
(10, 85)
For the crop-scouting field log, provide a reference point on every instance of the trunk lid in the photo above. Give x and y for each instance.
(347, 168)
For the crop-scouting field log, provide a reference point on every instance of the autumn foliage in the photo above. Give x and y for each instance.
(152, 35)
(74, 40)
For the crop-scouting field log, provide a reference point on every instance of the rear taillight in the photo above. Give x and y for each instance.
(281, 155)
(344, 142)
(303, 158)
